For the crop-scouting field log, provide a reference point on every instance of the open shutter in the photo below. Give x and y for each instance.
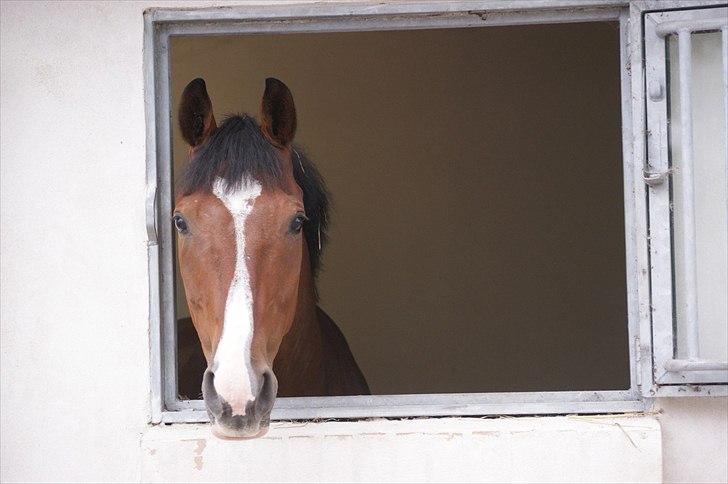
(686, 89)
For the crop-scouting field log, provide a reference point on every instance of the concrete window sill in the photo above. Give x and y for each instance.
(621, 448)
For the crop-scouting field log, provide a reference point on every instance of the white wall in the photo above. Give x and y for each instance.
(694, 439)
(74, 299)
(554, 449)
(74, 280)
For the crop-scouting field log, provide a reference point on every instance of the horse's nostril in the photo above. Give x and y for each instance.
(209, 393)
(256, 416)
(268, 392)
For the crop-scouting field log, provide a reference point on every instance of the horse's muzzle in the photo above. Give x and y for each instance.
(257, 412)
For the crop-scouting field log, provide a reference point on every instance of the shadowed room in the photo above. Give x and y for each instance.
(476, 240)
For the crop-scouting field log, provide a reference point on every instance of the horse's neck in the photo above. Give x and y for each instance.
(299, 365)
(314, 358)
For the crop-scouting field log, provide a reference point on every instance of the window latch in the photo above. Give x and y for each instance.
(654, 178)
(151, 212)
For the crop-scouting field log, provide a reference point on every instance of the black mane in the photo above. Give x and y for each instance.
(237, 150)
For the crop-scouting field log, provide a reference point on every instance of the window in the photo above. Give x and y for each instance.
(686, 171)
(631, 339)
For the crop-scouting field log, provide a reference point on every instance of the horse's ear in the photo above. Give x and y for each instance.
(196, 120)
(278, 113)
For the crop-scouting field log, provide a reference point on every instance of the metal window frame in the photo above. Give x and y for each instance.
(691, 375)
(161, 24)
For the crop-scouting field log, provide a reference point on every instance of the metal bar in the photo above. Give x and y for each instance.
(679, 26)
(725, 95)
(475, 9)
(506, 408)
(441, 399)
(655, 146)
(639, 209)
(683, 390)
(384, 23)
(155, 333)
(696, 365)
(166, 254)
(629, 215)
(690, 273)
(366, 406)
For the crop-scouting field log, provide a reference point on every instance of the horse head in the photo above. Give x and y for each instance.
(240, 217)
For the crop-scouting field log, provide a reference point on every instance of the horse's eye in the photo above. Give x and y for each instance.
(180, 224)
(297, 223)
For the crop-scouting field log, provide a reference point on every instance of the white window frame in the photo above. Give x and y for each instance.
(690, 374)
(161, 24)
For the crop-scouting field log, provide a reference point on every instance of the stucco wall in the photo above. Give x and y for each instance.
(552, 449)
(694, 439)
(74, 295)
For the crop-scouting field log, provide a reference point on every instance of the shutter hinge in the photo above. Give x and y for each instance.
(654, 178)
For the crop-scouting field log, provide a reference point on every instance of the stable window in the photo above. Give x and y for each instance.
(493, 142)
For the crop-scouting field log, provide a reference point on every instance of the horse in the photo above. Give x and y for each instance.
(251, 218)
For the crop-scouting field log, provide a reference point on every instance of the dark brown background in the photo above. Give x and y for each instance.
(477, 241)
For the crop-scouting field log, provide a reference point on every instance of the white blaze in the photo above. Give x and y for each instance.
(232, 366)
